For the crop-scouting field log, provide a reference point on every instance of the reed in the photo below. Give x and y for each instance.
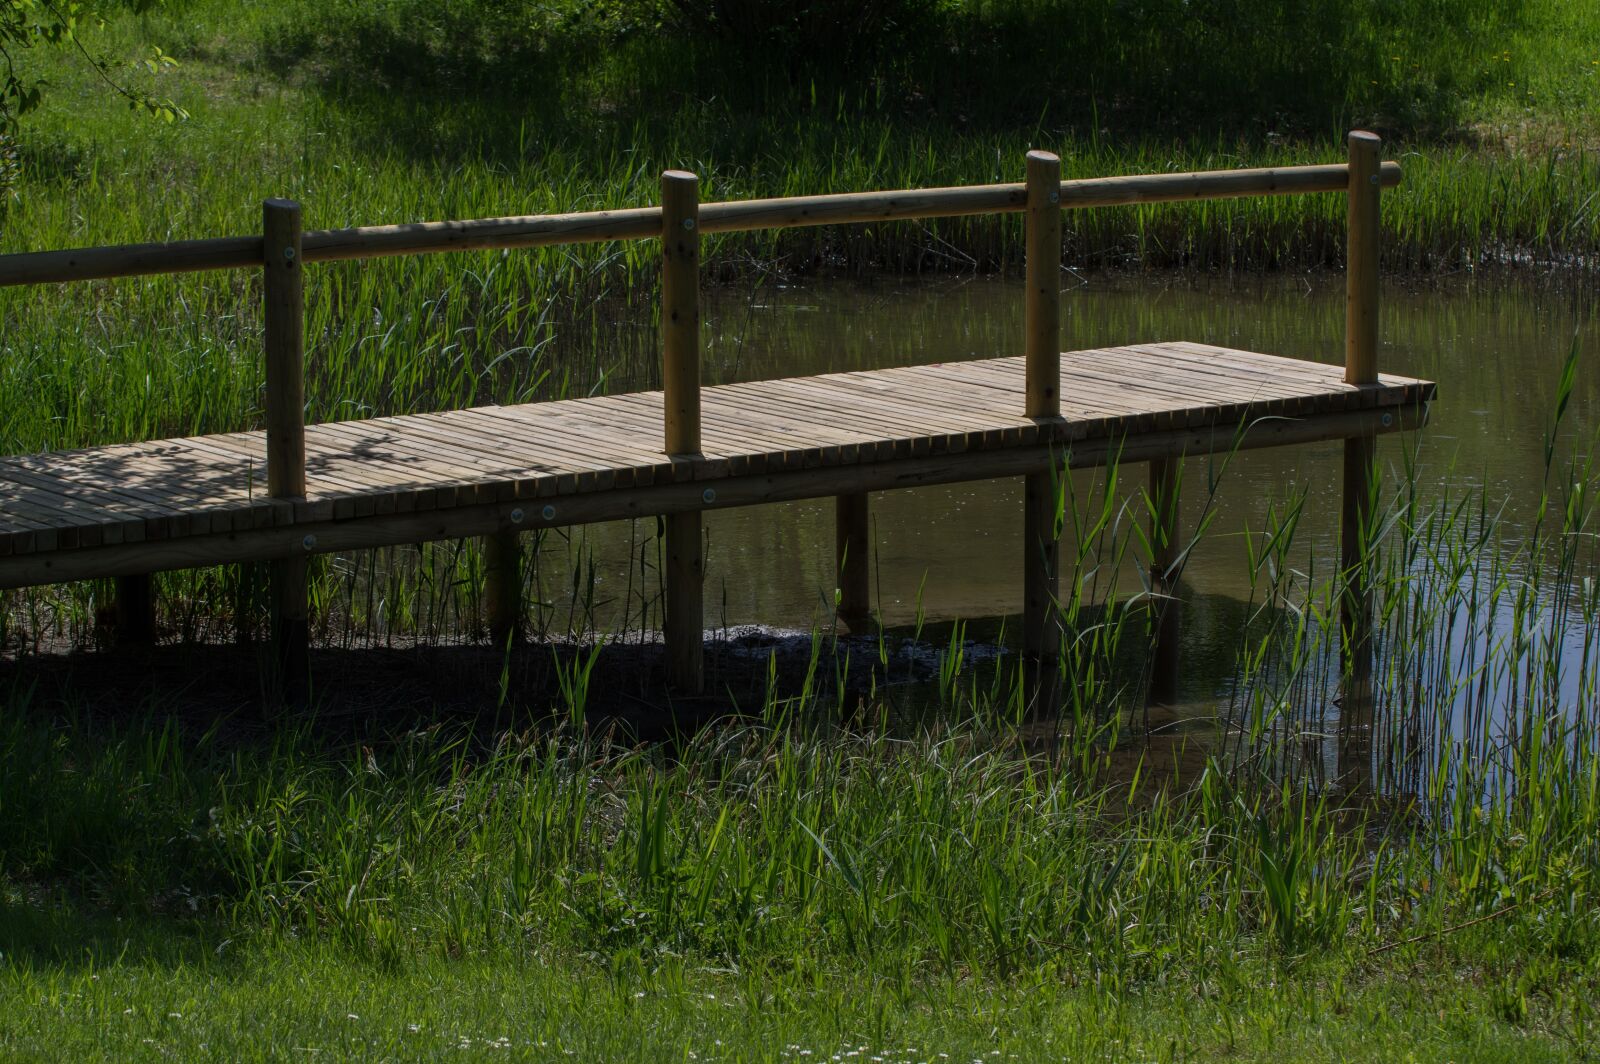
(953, 840)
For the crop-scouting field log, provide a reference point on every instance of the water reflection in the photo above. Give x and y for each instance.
(943, 553)
(1495, 349)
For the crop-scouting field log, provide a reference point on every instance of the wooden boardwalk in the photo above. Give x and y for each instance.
(496, 472)
(64, 508)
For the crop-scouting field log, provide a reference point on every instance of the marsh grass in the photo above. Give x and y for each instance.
(984, 837)
(932, 852)
(918, 857)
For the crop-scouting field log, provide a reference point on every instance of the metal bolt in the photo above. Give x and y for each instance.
(1388, 419)
(309, 543)
(1055, 197)
(688, 223)
(549, 513)
(709, 495)
(1373, 179)
(516, 516)
(288, 254)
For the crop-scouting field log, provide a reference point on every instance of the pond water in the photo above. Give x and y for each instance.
(1495, 347)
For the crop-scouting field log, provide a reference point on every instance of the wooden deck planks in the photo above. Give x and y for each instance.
(174, 488)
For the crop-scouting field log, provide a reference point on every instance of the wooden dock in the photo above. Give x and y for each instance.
(294, 490)
(70, 515)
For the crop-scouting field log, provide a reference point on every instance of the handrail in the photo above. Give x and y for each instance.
(332, 245)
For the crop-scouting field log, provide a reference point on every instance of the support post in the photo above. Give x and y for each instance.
(502, 586)
(283, 287)
(1042, 356)
(852, 547)
(680, 376)
(1164, 532)
(1360, 467)
(135, 610)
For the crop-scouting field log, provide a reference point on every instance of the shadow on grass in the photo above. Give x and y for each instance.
(493, 80)
(54, 932)
(114, 764)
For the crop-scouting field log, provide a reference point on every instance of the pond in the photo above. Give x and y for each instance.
(1496, 348)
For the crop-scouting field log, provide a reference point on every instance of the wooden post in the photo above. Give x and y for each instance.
(1164, 529)
(502, 586)
(1042, 351)
(135, 610)
(680, 378)
(852, 546)
(283, 286)
(1360, 468)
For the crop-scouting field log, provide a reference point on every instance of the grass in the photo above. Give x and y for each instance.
(253, 1007)
(833, 868)
(249, 1006)
(848, 863)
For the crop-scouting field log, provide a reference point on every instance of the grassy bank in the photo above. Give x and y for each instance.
(858, 861)
(837, 869)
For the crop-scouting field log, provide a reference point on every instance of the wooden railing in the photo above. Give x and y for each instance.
(641, 223)
(282, 251)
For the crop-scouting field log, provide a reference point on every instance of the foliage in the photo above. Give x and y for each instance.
(27, 24)
(1152, 66)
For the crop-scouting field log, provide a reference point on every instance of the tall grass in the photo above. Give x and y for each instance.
(978, 838)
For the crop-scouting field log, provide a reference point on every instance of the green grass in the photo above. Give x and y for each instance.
(839, 865)
(832, 866)
(1466, 1002)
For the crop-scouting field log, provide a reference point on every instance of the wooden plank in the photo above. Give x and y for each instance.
(170, 508)
(109, 518)
(451, 452)
(780, 432)
(902, 414)
(919, 431)
(409, 461)
(804, 426)
(985, 414)
(570, 465)
(615, 436)
(247, 447)
(898, 437)
(326, 490)
(1111, 406)
(1317, 375)
(1196, 392)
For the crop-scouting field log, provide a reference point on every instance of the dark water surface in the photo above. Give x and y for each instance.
(1495, 347)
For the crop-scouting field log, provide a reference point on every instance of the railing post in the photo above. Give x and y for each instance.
(283, 286)
(1164, 481)
(1042, 355)
(852, 546)
(502, 586)
(1360, 467)
(135, 610)
(680, 375)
